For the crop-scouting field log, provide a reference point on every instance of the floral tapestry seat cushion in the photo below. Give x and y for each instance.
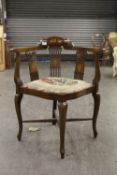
(58, 85)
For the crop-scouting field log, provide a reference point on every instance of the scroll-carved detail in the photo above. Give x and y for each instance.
(80, 65)
(33, 70)
(55, 41)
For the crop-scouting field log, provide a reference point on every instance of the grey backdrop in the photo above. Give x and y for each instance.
(29, 21)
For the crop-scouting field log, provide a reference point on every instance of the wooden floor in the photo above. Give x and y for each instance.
(38, 152)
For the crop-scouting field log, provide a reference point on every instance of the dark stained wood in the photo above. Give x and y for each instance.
(55, 45)
(96, 98)
(97, 73)
(17, 78)
(56, 120)
(55, 66)
(62, 106)
(53, 111)
(80, 65)
(78, 119)
(55, 41)
(33, 68)
(29, 49)
(18, 98)
(54, 96)
(41, 120)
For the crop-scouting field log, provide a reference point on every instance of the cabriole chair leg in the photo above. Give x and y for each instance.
(96, 98)
(18, 98)
(62, 121)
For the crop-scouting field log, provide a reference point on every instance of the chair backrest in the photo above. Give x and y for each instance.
(55, 45)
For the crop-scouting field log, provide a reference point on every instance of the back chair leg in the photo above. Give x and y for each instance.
(96, 98)
(18, 98)
(53, 111)
(62, 121)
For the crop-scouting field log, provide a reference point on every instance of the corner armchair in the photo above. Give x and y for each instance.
(56, 87)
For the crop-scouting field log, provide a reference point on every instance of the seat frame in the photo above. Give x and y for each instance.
(55, 44)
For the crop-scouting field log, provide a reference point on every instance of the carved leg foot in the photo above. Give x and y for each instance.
(53, 112)
(96, 98)
(62, 121)
(18, 98)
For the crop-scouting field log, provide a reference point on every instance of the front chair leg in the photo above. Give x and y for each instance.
(96, 98)
(62, 121)
(53, 111)
(18, 98)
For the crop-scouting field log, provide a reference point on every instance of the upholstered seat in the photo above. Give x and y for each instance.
(55, 88)
(58, 85)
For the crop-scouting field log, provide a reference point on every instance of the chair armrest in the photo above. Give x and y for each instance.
(80, 64)
(29, 49)
(97, 75)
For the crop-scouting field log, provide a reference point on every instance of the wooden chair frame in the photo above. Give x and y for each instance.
(55, 45)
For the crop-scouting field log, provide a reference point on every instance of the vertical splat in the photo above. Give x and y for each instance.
(33, 68)
(55, 61)
(80, 65)
(55, 48)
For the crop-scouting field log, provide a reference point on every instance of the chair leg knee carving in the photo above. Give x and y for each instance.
(96, 98)
(18, 98)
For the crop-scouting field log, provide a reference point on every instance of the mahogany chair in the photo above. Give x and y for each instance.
(56, 87)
